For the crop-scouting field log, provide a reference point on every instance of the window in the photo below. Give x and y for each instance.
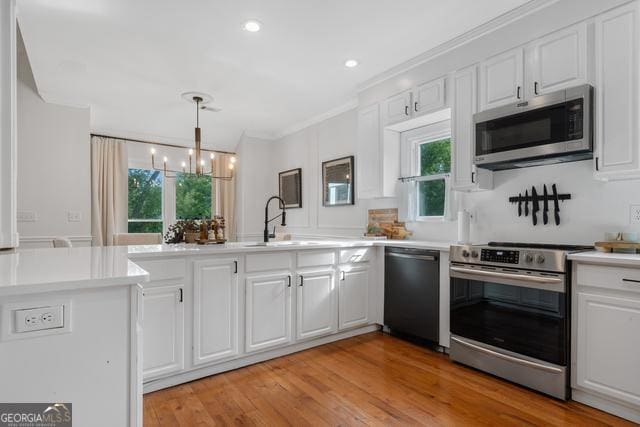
(435, 163)
(145, 201)
(193, 196)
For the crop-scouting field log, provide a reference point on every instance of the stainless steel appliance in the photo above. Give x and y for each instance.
(552, 128)
(510, 312)
(412, 292)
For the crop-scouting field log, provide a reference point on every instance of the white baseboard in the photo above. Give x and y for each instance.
(47, 241)
(251, 359)
(619, 409)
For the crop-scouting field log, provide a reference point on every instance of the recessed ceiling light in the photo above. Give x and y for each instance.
(252, 26)
(350, 63)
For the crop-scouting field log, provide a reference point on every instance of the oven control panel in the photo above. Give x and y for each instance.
(500, 255)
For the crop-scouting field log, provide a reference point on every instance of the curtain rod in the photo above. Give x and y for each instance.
(161, 144)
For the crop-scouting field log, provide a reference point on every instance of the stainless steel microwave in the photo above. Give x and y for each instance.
(552, 128)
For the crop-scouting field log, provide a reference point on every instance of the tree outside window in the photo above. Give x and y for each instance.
(193, 196)
(145, 201)
(435, 160)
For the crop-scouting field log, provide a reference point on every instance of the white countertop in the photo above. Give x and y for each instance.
(597, 257)
(37, 270)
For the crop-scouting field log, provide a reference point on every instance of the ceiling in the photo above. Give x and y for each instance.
(130, 60)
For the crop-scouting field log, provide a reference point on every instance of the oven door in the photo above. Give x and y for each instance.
(523, 312)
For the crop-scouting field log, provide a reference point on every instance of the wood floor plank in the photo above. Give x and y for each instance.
(372, 379)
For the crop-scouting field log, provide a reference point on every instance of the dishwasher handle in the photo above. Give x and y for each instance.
(420, 257)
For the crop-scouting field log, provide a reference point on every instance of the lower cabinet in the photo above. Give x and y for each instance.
(268, 311)
(216, 308)
(608, 345)
(317, 312)
(353, 296)
(163, 326)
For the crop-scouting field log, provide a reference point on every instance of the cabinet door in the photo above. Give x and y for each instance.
(369, 149)
(608, 346)
(353, 298)
(163, 326)
(397, 108)
(316, 304)
(617, 87)
(465, 177)
(429, 97)
(216, 307)
(502, 79)
(557, 61)
(268, 311)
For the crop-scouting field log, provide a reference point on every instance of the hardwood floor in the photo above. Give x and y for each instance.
(372, 379)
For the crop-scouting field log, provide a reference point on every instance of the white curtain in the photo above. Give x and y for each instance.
(407, 201)
(224, 194)
(109, 175)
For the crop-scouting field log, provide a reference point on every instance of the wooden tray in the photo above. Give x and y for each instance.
(211, 242)
(618, 246)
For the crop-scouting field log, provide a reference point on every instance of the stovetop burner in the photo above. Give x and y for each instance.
(568, 248)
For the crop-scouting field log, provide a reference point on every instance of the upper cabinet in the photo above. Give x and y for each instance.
(464, 176)
(422, 99)
(551, 63)
(397, 108)
(502, 79)
(8, 126)
(617, 93)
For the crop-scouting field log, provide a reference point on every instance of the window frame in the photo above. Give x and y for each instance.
(415, 138)
(133, 165)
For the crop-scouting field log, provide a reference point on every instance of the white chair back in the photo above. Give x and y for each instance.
(62, 242)
(127, 239)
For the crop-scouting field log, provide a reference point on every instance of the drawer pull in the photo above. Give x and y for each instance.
(631, 281)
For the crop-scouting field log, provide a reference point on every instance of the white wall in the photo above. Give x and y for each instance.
(54, 170)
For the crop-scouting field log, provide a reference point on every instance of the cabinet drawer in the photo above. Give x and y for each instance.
(356, 255)
(270, 261)
(163, 269)
(618, 278)
(316, 258)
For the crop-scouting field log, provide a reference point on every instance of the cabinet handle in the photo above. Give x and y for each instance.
(535, 87)
(406, 110)
(181, 295)
(342, 276)
(415, 107)
(518, 92)
(235, 264)
(597, 167)
(289, 285)
(631, 281)
(473, 177)
(301, 280)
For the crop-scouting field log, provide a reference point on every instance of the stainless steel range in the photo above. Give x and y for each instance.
(510, 312)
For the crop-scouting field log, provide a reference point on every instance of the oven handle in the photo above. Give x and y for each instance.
(507, 357)
(501, 275)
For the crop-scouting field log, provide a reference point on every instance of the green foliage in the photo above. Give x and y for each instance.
(435, 158)
(431, 198)
(145, 227)
(193, 196)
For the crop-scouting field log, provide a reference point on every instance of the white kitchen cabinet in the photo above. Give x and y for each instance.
(163, 326)
(267, 311)
(502, 79)
(464, 175)
(353, 295)
(317, 310)
(617, 93)
(8, 124)
(557, 61)
(429, 97)
(216, 309)
(608, 345)
(397, 108)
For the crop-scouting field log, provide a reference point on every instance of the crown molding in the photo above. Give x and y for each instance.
(317, 119)
(473, 34)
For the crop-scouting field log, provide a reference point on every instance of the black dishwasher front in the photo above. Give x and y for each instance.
(412, 292)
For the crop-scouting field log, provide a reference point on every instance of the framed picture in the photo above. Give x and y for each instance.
(290, 184)
(338, 182)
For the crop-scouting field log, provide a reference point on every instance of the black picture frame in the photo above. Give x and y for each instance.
(290, 188)
(341, 191)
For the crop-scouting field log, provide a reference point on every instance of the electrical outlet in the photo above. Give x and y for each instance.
(634, 215)
(74, 216)
(37, 319)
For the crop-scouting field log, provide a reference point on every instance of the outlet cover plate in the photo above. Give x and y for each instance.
(39, 318)
(634, 215)
(9, 321)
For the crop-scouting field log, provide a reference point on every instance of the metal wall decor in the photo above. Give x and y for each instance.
(536, 200)
(338, 182)
(290, 185)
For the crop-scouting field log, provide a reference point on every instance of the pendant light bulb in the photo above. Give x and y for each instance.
(153, 151)
(212, 156)
(233, 159)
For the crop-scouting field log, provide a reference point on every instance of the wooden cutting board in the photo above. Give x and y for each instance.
(617, 246)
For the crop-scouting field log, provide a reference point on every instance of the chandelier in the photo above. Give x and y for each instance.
(200, 168)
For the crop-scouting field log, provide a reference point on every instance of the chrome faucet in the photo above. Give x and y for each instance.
(267, 220)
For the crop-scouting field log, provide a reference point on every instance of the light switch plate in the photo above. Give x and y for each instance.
(39, 318)
(74, 216)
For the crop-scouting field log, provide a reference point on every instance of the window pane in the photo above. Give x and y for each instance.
(431, 198)
(145, 227)
(435, 157)
(193, 196)
(145, 201)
